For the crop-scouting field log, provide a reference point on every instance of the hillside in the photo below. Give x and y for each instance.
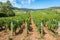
(29, 24)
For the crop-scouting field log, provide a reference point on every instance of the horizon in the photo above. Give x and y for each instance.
(34, 4)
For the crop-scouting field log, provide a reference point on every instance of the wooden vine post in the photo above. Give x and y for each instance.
(11, 35)
(26, 28)
(58, 28)
(41, 30)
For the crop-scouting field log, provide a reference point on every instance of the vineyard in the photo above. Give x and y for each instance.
(31, 25)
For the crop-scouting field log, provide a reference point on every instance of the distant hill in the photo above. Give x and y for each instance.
(25, 9)
(55, 7)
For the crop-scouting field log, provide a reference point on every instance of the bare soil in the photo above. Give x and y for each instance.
(29, 35)
(34, 34)
(48, 35)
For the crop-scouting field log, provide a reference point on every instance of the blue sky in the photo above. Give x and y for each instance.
(34, 4)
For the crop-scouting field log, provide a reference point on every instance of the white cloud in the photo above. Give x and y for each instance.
(30, 1)
(16, 5)
(27, 1)
(33, 0)
(13, 2)
(3, 0)
(23, 2)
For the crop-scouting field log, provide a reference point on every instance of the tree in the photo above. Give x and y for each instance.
(6, 9)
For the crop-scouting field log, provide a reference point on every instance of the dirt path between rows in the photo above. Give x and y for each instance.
(4, 35)
(48, 35)
(20, 36)
(34, 35)
(23, 35)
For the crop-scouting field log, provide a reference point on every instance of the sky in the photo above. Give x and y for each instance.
(34, 4)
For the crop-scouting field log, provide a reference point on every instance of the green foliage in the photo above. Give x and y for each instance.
(1, 22)
(47, 17)
(52, 24)
(6, 10)
(17, 21)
